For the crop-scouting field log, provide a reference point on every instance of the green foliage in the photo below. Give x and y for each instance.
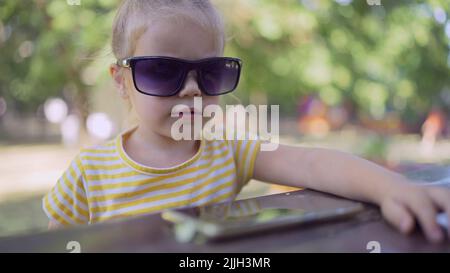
(392, 57)
(46, 47)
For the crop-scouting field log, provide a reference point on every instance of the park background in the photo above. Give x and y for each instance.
(367, 77)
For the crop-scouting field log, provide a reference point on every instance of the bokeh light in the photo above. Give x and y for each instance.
(99, 125)
(55, 110)
(70, 128)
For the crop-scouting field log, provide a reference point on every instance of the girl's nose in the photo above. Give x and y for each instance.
(190, 87)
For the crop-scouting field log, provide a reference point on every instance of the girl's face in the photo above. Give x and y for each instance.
(186, 40)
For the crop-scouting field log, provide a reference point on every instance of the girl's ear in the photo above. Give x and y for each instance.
(119, 79)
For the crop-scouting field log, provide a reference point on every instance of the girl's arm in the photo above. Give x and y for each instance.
(349, 176)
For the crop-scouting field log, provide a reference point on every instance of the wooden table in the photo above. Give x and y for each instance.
(152, 234)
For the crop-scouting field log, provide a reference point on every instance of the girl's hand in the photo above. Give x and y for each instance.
(407, 202)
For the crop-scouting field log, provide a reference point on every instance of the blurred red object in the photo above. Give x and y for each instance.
(433, 128)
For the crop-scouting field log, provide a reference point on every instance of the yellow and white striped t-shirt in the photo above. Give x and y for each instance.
(103, 183)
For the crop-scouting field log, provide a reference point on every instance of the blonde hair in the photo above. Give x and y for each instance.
(133, 17)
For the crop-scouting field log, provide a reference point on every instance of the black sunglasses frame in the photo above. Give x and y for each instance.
(190, 65)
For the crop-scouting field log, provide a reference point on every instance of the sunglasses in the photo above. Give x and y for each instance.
(165, 76)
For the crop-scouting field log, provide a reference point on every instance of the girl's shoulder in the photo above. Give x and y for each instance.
(104, 150)
(105, 147)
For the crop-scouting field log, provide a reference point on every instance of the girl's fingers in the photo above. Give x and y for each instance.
(425, 212)
(441, 197)
(398, 215)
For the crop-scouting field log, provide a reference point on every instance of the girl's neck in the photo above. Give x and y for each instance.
(165, 150)
(155, 140)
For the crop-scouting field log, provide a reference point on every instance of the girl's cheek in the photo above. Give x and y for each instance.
(143, 108)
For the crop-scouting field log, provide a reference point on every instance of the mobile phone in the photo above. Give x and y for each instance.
(242, 217)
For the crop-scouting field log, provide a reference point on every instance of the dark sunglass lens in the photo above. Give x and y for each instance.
(220, 76)
(159, 77)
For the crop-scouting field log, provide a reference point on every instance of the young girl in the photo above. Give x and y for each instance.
(168, 52)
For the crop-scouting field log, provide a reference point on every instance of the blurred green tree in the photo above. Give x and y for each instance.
(392, 57)
(47, 47)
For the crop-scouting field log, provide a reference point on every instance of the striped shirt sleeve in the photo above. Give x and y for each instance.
(244, 153)
(66, 203)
